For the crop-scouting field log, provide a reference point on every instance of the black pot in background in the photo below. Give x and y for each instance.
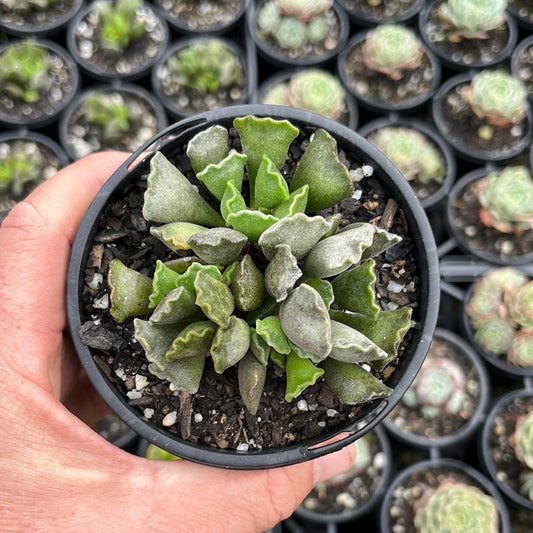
(425, 314)
(524, 20)
(524, 75)
(456, 63)
(360, 17)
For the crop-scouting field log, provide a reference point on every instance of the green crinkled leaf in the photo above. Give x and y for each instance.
(163, 282)
(355, 289)
(263, 136)
(304, 354)
(176, 234)
(181, 264)
(156, 340)
(382, 241)
(215, 176)
(192, 341)
(218, 246)
(328, 179)
(130, 291)
(352, 383)
(267, 308)
(176, 306)
(213, 298)
(185, 374)
(208, 147)
(232, 201)
(351, 346)
(299, 231)
(282, 273)
(272, 333)
(230, 344)
(186, 280)
(305, 320)
(335, 221)
(170, 197)
(248, 285)
(259, 347)
(279, 359)
(251, 223)
(251, 375)
(296, 203)
(339, 252)
(270, 186)
(301, 373)
(324, 288)
(228, 274)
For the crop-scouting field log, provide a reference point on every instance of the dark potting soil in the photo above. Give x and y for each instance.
(37, 18)
(411, 421)
(379, 11)
(523, 67)
(216, 416)
(203, 15)
(523, 9)
(480, 237)
(378, 88)
(483, 51)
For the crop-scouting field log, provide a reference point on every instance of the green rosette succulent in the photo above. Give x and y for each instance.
(456, 507)
(522, 443)
(261, 281)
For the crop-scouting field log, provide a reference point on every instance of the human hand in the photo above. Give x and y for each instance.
(57, 473)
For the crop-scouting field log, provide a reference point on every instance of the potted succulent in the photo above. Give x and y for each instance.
(252, 346)
(521, 60)
(489, 214)
(387, 68)
(110, 118)
(292, 33)
(312, 89)
(468, 34)
(113, 39)
(372, 12)
(38, 79)
(522, 12)
(202, 73)
(494, 113)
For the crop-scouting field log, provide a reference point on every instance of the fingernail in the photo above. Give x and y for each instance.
(333, 464)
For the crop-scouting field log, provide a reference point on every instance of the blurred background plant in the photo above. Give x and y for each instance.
(23, 6)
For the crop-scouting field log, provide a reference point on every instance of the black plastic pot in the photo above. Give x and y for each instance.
(429, 202)
(523, 72)
(524, 19)
(385, 105)
(425, 315)
(350, 118)
(439, 467)
(26, 115)
(455, 61)
(133, 92)
(362, 15)
(286, 61)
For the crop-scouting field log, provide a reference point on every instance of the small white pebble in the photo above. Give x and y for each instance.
(302, 405)
(198, 417)
(331, 412)
(321, 424)
(96, 281)
(120, 374)
(243, 447)
(134, 394)
(101, 303)
(140, 381)
(313, 406)
(368, 170)
(148, 412)
(395, 287)
(170, 419)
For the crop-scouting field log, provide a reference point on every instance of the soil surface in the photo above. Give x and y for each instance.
(523, 9)
(215, 416)
(523, 67)
(382, 11)
(38, 19)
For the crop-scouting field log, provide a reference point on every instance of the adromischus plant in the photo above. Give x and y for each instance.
(314, 90)
(456, 507)
(392, 49)
(263, 281)
(472, 19)
(506, 199)
(24, 71)
(415, 156)
(23, 6)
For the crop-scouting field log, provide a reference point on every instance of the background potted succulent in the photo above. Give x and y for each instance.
(521, 60)
(371, 12)
(260, 325)
(522, 12)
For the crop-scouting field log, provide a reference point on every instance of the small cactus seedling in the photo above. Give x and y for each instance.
(392, 49)
(506, 199)
(472, 19)
(415, 156)
(24, 6)
(456, 507)
(261, 275)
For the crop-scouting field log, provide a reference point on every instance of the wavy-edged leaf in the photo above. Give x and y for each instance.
(270, 186)
(296, 203)
(208, 147)
(259, 347)
(304, 354)
(186, 280)
(352, 383)
(251, 223)
(279, 359)
(181, 264)
(176, 306)
(213, 298)
(230, 344)
(192, 341)
(156, 339)
(251, 375)
(229, 273)
(218, 246)
(328, 179)
(248, 285)
(301, 373)
(176, 234)
(324, 288)
(305, 320)
(130, 291)
(281, 273)
(170, 197)
(272, 333)
(163, 282)
(382, 241)
(214, 177)
(185, 374)
(351, 346)
(267, 308)
(232, 201)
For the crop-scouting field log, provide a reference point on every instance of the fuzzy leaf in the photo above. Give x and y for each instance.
(214, 298)
(272, 333)
(181, 264)
(382, 241)
(176, 306)
(218, 246)
(304, 354)
(176, 234)
(208, 147)
(263, 136)
(185, 374)
(163, 282)
(192, 341)
(251, 375)
(229, 273)
(351, 346)
(301, 373)
(186, 280)
(323, 287)
(251, 223)
(281, 273)
(130, 291)
(232, 201)
(156, 340)
(248, 285)
(259, 347)
(355, 289)
(170, 197)
(328, 179)
(305, 320)
(230, 344)
(267, 308)
(270, 186)
(215, 176)
(299, 231)
(352, 383)
(296, 203)
(279, 359)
